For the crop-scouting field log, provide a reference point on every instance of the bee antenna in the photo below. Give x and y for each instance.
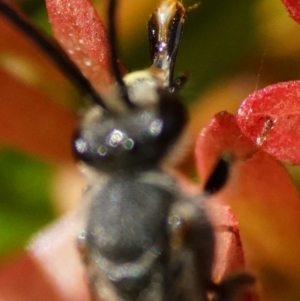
(51, 49)
(114, 57)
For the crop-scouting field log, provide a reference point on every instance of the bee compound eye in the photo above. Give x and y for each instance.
(104, 151)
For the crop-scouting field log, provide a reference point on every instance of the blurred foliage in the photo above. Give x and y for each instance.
(222, 40)
(24, 198)
(37, 12)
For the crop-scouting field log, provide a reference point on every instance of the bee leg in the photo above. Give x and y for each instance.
(185, 285)
(229, 288)
(83, 250)
(92, 278)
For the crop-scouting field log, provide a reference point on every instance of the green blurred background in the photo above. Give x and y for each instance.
(230, 48)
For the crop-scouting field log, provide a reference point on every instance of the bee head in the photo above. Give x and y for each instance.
(136, 140)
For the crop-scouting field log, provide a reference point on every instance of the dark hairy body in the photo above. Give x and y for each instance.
(144, 239)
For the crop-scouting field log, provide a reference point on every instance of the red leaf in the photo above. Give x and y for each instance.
(82, 35)
(29, 118)
(229, 257)
(33, 122)
(293, 7)
(265, 203)
(222, 134)
(270, 118)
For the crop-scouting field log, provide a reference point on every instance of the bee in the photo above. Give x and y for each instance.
(144, 239)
